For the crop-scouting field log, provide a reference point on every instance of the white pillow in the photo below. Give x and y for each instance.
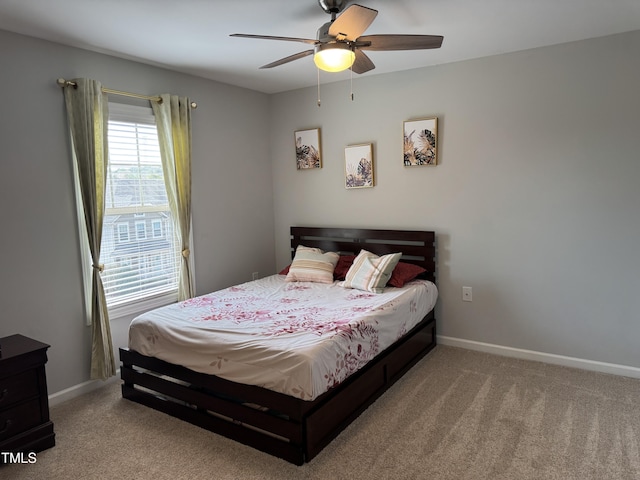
(370, 272)
(312, 265)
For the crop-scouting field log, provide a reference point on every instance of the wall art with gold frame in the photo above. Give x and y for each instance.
(421, 142)
(308, 154)
(358, 166)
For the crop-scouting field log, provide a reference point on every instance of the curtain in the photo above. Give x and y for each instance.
(173, 119)
(87, 116)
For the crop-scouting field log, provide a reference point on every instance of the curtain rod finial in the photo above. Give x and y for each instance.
(66, 83)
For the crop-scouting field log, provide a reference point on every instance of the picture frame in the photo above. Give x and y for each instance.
(308, 152)
(358, 166)
(420, 143)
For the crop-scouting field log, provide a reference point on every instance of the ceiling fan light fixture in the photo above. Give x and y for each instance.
(334, 57)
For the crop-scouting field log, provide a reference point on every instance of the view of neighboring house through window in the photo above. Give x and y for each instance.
(141, 230)
(156, 228)
(123, 232)
(140, 252)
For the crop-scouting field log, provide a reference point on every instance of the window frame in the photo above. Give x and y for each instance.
(137, 225)
(135, 113)
(154, 222)
(120, 232)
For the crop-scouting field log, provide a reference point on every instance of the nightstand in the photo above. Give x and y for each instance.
(24, 405)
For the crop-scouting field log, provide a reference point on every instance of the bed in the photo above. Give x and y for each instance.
(292, 408)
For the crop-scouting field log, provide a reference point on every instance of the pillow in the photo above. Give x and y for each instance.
(342, 267)
(285, 270)
(370, 272)
(312, 265)
(403, 273)
(344, 263)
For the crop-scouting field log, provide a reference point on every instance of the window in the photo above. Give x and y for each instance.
(137, 266)
(156, 228)
(141, 230)
(123, 232)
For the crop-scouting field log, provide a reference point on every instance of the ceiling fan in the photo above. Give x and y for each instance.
(339, 44)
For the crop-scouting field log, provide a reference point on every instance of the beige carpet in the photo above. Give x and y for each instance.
(457, 414)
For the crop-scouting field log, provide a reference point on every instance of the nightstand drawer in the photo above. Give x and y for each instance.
(18, 387)
(24, 406)
(19, 418)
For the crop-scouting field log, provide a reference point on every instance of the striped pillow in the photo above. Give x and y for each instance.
(370, 272)
(312, 265)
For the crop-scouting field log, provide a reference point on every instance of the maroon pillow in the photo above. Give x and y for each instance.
(285, 270)
(342, 267)
(403, 273)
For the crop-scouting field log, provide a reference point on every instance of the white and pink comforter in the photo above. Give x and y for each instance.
(299, 339)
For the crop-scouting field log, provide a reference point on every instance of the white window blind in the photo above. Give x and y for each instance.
(140, 251)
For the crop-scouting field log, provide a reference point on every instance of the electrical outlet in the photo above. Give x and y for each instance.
(467, 295)
(254, 276)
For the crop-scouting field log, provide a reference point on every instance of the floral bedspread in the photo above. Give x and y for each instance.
(299, 338)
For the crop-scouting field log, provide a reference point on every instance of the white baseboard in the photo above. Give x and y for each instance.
(602, 367)
(80, 389)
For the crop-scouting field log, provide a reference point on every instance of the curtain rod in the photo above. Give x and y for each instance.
(68, 83)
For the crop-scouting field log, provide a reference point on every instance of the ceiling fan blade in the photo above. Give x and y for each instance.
(362, 63)
(352, 22)
(399, 42)
(288, 59)
(269, 37)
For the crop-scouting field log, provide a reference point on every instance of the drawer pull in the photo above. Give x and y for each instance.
(7, 424)
(3, 394)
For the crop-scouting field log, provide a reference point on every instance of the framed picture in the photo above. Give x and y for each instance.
(421, 142)
(358, 166)
(308, 149)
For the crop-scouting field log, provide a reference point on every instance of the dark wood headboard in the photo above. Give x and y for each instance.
(417, 247)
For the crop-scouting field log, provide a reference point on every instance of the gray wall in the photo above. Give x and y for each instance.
(535, 201)
(40, 283)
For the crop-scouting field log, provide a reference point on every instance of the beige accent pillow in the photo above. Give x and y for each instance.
(370, 272)
(312, 265)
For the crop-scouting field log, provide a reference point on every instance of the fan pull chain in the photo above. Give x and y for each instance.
(351, 78)
(318, 88)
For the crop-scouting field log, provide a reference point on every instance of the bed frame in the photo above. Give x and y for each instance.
(284, 426)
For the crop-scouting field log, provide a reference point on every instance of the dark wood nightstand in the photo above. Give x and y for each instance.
(24, 406)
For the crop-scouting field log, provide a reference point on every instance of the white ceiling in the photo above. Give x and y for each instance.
(192, 36)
